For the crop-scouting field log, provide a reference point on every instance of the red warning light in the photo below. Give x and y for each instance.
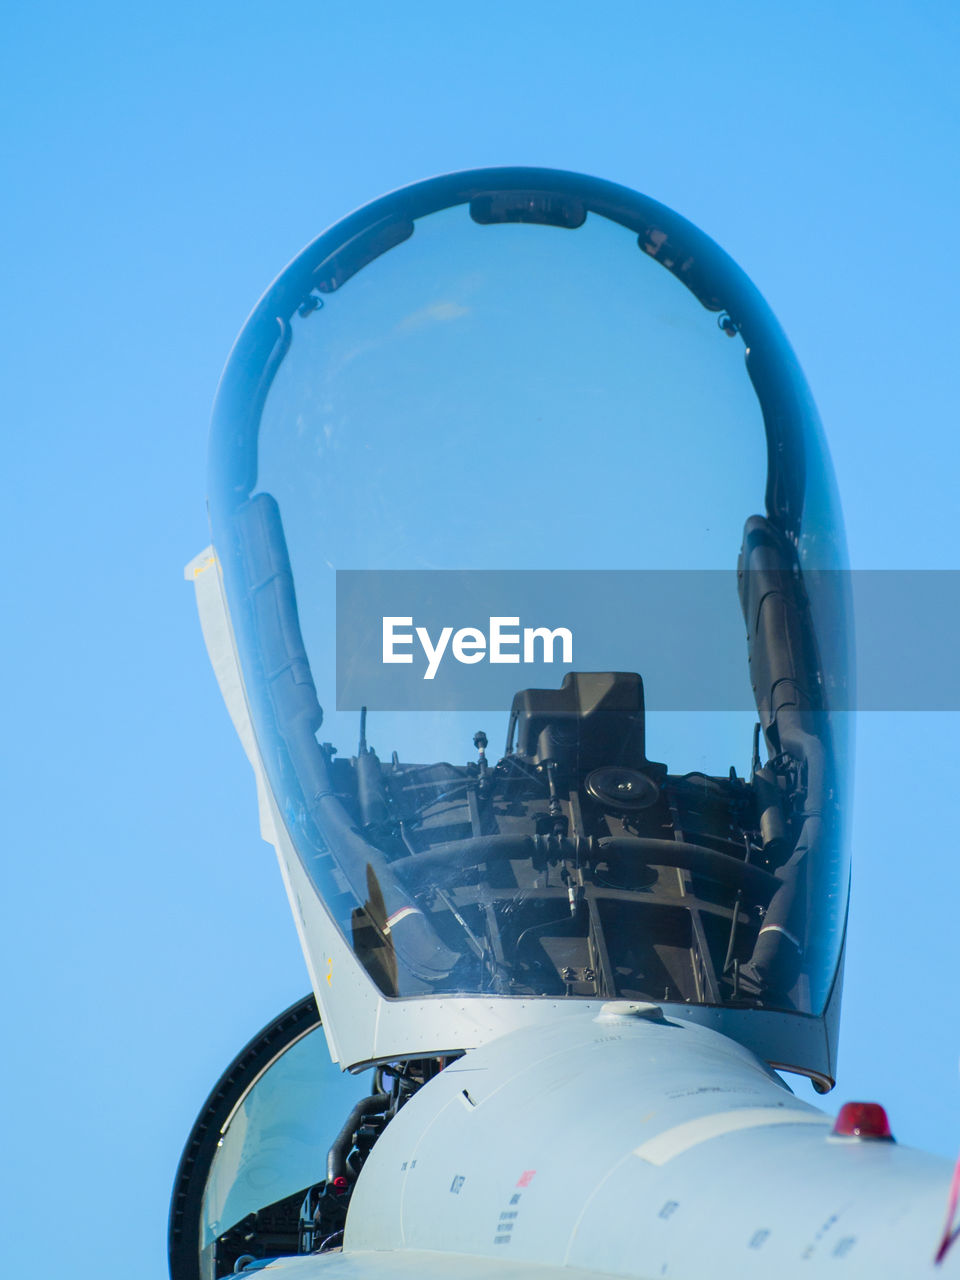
(862, 1120)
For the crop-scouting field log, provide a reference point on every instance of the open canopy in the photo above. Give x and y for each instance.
(522, 370)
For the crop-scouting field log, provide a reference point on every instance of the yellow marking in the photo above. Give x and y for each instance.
(202, 568)
(330, 967)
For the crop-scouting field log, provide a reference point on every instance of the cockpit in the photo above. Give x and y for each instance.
(571, 866)
(530, 372)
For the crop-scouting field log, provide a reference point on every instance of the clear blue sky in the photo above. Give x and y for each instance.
(164, 164)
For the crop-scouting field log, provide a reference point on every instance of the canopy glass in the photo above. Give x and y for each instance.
(538, 372)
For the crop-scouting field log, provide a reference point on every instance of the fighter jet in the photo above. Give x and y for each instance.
(555, 986)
